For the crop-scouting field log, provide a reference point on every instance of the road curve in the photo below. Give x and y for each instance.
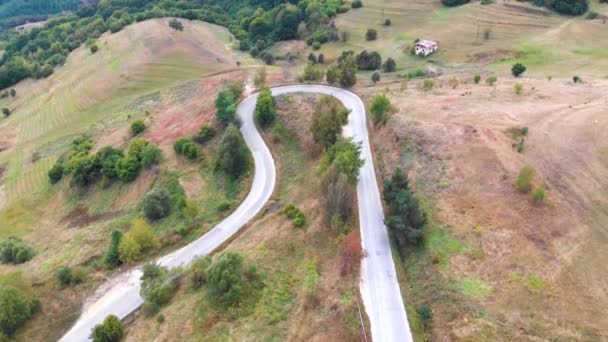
(379, 287)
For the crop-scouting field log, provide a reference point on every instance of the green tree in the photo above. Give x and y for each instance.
(136, 148)
(380, 108)
(312, 72)
(157, 287)
(265, 110)
(137, 127)
(390, 65)
(110, 330)
(15, 309)
(6, 111)
(371, 34)
(233, 157)
(405, 219)
(142, 232)
(330, 115)
(348, 71)
(345, 156)
(375, 77)
(109, 158)
(112, 257)
(225, 106)
(157, 203)
(539, 194)
(206, 133)
(518, 69)
(127, 168)
(525, 178)
(286, 21)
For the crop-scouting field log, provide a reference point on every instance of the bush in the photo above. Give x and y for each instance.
(312, 72)
(356, 4)
(524, 179)
(380, 108)
(158, 284)
(428, 84)
(491, 80)
(375, 77)
(15, 309)
(371, 34)
(186, 147)
(477, 78)
(142, 233)
(176, 25)
(339, 198)
(109, 158)
(129, 249)
(345, 156)
(225, 105)
(425, 314)
(206, 133)
(233, 157)
(137, 127)
(200, 271)
(538, 195)
(6, 111)
(228, 279)
(127, 169)
(452, 3)
(295, 215)
(67, 277)
(151, 155)
(390, 65)
(331, 75)
(56, 172)
(265, 110)
(94, 48)
(110, 330)
(369, 61)
(157, 203)
(518, 69)
(14, 251)
(577, 79)
(387, 22)
(518, 88)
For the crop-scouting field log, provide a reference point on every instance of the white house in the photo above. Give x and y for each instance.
(426, 47)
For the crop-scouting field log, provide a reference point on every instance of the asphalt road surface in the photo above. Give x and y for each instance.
(379, 287)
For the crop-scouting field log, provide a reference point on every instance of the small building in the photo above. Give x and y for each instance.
(425, 47)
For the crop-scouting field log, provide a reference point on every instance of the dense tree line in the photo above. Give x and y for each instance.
(571, 7)
(255, 23)
(17, 12)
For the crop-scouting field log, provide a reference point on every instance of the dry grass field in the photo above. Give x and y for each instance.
(496, 265)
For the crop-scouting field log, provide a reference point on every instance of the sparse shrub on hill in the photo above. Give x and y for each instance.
(312, 72)
(137, 127)
(518, 88)
(375, 77)
(387, 22)
(369, 60)
(176, 25)
(491, 80)
(295, 215)
(109, 159)
(15, 309)
(157, 203)
(405, 219)
(56, 172)
(110, 330)
(356, 4)
(380, 108)
(14, 251)
(206, 133)
(186, 147)
(371, 34)
(112, 256)
(127, 169)
(150, 156)
(476, 79)
(525, 178)
(331, 75)
(158, 285)
(231, 281)
(200, 271)
(390, 65)
(345, 156)
(538, 195)
(94, 48)
(68, 276)
(452, 3)
(518, 69)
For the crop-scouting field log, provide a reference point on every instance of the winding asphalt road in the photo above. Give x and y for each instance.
(379, 286)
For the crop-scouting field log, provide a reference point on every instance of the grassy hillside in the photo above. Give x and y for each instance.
(147, 71)
(550, 44)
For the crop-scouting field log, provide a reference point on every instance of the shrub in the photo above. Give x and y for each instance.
(347, 71)
(94, 48)
(109, 158)
(142, 234)
(200, 271)
(110, 330)
(15, 309)
(592, 15)
(387, 22)
(233, 157)
(375, 77)
(321, 59)
(265, 110)
(428, 84)
(477, 78)
(176, 25)
(129, 249)
(14, 251)
(525, 178)
(186, 147)
(452, 3)
(577, 79)
(518, 88)
(158, 285)
(206, 133)
(491, 80)
(369, 61)
(312, 72)
(331, 75)
(56, 172)
(66, 276)
(150, 156)
(339, 198)
(6, 111)
(229, 280)
(351, 254)
(425, 314)
(380, 108)
(356, 4)
(128, 168)
(390, 65)
(518, 69)
(137, 127)
(295, 215)
(157, 203)
(538, 195)
(371, 34)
